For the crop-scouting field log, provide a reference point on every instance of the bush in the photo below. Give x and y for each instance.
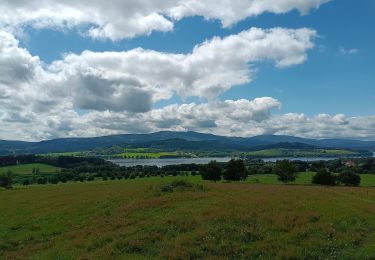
(180, 185)
(42, 181)
(324, 177)
(53, 180)
(26, 182)
(349, 178)
(285, 171)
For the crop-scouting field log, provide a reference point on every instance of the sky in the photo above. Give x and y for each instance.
(238, 68)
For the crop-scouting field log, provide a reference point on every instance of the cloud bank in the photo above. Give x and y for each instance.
(101, 93)
(120, 19)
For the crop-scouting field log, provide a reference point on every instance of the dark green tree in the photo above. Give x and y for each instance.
(349, 178)
(236, 171)
(324, 177)
(285, 171)
(6, 180)
(212, 172)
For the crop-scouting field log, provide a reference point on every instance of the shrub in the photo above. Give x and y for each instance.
(42, 181)
(53, 180)
(324, 177)
(181, 184)
(349, 178)
(26, 182)
(285, 171)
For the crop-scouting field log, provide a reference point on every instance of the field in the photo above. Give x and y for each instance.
(134, 219)
(300, 153)
(28, 168)
(304, 178)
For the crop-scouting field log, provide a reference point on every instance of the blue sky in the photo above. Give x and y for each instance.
(329, 82)
(88, 68)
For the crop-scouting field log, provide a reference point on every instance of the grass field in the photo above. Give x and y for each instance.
(299, 153)
(28, 168)
(304, 178)
(133, 219)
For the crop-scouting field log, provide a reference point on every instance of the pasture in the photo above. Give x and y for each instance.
(135, 219)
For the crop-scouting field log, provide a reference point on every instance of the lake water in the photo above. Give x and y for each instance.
(176, 161)
(164, 162)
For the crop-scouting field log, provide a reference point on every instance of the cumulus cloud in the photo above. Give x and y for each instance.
(134, 80)
(113, 80)
(119, 19)
(230, 117)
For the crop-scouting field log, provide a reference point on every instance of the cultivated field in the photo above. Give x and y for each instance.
(135, 219)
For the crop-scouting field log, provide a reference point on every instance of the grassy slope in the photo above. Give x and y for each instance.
(127, 218)
(28, 168)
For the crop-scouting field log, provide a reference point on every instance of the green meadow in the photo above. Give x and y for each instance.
(278, 152)
(28, 168)
(138, 219)
(304, 178)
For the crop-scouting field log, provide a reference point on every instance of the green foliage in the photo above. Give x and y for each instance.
(212, 172)
(349, 178)
(236, 171)
(180, 185)
(53, 180)
(6, 180)
(285, 171)
(324, 177)
(42, 180)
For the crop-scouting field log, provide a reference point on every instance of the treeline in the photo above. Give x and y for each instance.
(17, 159)
(286, 171)
(87, 169)
(357, 165)
(332, 172)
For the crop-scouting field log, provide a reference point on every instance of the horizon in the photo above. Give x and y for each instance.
(239, 69)
(166, 131)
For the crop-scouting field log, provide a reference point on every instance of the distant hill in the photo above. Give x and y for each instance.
(180, 140)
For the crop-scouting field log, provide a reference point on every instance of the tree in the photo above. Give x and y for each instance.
(285, 171)
(236, 171)
(349, 178)
(6, 180)
(324, 177)
(53, 180)
(212, 172)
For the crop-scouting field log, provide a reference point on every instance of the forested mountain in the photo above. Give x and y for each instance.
(180, 140)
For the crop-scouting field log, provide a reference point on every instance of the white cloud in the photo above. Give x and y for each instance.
(39, 101)
(119, 19)
(112, 80)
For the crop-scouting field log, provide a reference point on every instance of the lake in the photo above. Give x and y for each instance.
(176, 161)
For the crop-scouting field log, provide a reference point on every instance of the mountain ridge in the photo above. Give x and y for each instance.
(88, 143)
